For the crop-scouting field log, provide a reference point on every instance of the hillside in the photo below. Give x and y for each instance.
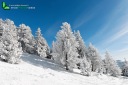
(36, 71)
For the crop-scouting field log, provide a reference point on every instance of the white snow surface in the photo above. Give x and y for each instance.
(34, 70)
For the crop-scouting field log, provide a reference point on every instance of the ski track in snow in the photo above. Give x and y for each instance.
(36, 71)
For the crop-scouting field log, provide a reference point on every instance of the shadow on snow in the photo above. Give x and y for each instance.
(41, 62)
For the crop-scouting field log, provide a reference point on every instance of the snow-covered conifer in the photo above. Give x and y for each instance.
(110, 65)
(26, 38)
(42, 47)
(65, 47)
(125, 68)
(82, 48)
(94, 56)
(85, 65)
(10, 47)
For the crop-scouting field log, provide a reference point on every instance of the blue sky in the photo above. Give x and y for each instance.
(102, 22)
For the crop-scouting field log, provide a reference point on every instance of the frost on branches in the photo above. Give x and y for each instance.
(94, 56)
(26, 38)
(10, 49)
(111, 66)
(125, 68)
(81, 48)
(42, 48)
(84, 64)
(64, 49)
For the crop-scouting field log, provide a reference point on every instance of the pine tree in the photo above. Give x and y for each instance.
(65, 48)
(93, 55)
(10, 47)
(111, 66)
(82, 48)
(42, 47)
(84, 64)
(26, 38)
(125, 68)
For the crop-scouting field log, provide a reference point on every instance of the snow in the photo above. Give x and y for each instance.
(36, 71)
(76, 71)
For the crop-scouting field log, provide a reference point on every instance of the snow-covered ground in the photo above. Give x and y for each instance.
(36, 71)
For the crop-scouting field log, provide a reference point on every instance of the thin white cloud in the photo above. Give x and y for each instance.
(109, 22)
(116, 54)
(122, 32)
(87, 16)
(115, 33)
(121, 54)
(52, 29)
(126, 42)
(123, 50)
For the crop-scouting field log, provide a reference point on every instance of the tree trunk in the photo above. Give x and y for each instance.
(66, 62)
(106, 71)
(92, 68)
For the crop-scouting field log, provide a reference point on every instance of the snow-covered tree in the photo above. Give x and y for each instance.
(81, 48)
(94, 56)
(64, 49)
(84, 64)
(26, 38)
(125, 68)
(10, 48)
(42, 47)
(111, 66)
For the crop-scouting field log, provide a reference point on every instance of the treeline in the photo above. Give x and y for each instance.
(68, 49)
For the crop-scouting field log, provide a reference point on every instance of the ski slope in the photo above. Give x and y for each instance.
(36, 71)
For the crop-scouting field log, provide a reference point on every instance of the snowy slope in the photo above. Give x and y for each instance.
(36, 71)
